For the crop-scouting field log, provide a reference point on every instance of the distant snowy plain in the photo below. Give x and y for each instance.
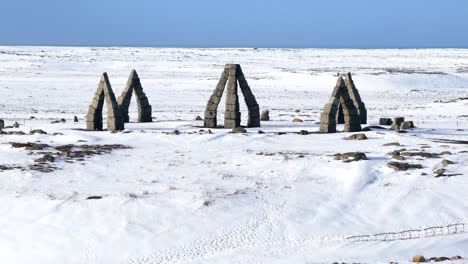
(231, 198)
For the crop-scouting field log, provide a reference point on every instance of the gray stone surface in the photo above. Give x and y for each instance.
(356, 98)
(383, 121)
(397, 122)
(144, 108)
(328, 118)
(265, 115)
(2, 123)
(233, 77)
(104, 92)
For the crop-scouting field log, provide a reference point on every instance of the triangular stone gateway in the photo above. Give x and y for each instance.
(94, 116)
(144, 108)
(233, 76)
(340, 95)
(354, 94)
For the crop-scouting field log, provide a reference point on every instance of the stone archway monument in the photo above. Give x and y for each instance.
(358, 103)
(340, 96)
(144, 108)
(232, 76)
(114, 116)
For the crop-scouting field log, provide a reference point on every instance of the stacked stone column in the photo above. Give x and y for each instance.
(356, 98)
(250, 101)
(212, 105)
(233, 76)
(144, 108)
(114, 116)
(328, 117)
(232, 115)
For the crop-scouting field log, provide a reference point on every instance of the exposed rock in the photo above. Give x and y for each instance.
(198, 118)
(63, 120)
(351, 156)
(359, 136)
(260, 132)
(369, 128)
(238, 130)
(46, 158)
(94, 197)
(406, 125)
(37, 131)
(397, 122)
(398, 157)
(420, 154)
(208, 131)
(297, 120)
(175, 132)
(438, 259)
(383, 121)
(391, 144)
(2, 123)
(303, 132)
(16, 124)
(17, 133)
(75, 119)
(57, 134)
(418, 259)
(396, 152)
(265, 115)
(439, 172)
(445, 153)
(403, 166)
(280, 133)
(447, 162)
(456, 257)
(29, 145)
(55, 122)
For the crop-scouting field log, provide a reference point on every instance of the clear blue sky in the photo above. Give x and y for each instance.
(241, 23)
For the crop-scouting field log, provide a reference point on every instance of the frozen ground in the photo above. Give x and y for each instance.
(231, 198)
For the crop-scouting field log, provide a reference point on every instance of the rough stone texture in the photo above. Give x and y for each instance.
(403, 166)
(238, 130)
(406, 125)
(234, 77)
(397, 122)
(359, 136)
(351, 156)
(2, 123)
(356, 98)
(265, 115)
(75, 119)
(297, 120)
(418, 259)
(144, 108)
(114, 117)
(340, 95)
(385, 121)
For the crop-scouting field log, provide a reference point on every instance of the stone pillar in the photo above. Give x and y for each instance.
(249, 98)
(232, 116)
(210, 119)
(356, 98)
(328, 117)
(104, 92)
(124, 100)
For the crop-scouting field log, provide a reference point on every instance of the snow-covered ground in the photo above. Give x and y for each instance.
(231, 198)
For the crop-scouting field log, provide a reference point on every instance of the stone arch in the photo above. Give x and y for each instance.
(356, 98)
(144, 108)
(232, 76)
(340, 95)
(94, 116)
